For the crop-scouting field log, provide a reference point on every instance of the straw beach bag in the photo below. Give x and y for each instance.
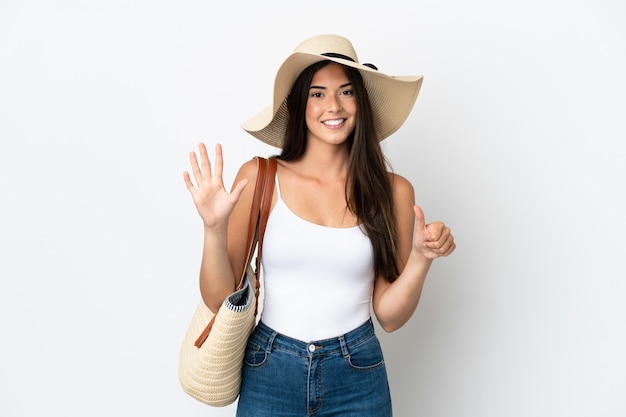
(211, 355)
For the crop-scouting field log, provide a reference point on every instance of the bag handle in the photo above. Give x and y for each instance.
(255, 214)
(266, 205)
(268, 193)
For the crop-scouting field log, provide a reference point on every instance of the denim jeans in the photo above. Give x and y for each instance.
(343, 376)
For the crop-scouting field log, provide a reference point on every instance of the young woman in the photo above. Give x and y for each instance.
(344, 235)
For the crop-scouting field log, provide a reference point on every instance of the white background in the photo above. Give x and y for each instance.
(516, 141)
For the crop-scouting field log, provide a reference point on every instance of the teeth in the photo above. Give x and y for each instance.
(334, 122)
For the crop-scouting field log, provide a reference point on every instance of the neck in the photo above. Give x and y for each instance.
(325, 162)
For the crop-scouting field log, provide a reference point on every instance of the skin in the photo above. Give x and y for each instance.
(313, 188)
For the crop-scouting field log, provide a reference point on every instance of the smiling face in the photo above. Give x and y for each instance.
(331, 106)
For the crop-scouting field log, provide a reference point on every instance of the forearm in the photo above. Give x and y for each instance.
(217, 279)
(399, 300)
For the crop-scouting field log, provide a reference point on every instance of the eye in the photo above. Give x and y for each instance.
(316, 95)
(348, 93)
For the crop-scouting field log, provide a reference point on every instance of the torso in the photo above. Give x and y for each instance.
(318, 279)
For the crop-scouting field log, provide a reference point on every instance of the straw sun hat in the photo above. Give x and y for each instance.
(391, 97)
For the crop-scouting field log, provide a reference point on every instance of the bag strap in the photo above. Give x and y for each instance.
(266, 205)
(255, 214)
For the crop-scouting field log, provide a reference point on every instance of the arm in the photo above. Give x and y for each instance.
(419, 244)
(224, 216)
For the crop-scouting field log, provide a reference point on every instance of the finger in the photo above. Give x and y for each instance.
(451, 249)
(448, 247)
(188, 182)
(439, 233)
(195, 168)
(445, 247)
(436, 231)
(204, 160)
(219, 161)
(236, 192)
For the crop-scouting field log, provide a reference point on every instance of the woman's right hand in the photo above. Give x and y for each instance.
(213, 202)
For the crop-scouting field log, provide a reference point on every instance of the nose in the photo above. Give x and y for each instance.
(334, 103)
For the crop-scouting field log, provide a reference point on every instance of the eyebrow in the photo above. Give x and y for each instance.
(324, 88)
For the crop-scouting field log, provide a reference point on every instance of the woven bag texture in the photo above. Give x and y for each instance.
(212, 373)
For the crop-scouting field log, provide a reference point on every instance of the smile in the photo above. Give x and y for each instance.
(334, 122)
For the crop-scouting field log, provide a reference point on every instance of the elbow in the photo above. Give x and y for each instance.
(390, 328)
(212, 304)
(390, 320)
(213, 294)
(212, 300)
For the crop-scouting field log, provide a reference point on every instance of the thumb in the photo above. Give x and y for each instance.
(420, 221)
(236, 192)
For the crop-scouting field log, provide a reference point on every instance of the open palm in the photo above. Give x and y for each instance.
(213, 202)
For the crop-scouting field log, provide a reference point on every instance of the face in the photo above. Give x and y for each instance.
(331, 106)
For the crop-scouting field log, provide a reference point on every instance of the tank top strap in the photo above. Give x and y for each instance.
(277, 187)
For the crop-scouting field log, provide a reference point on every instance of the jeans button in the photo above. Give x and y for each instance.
(311, 348)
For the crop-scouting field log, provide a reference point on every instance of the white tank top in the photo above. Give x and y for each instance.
(317, 280)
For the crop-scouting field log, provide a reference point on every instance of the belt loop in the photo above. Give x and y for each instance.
(270, 342)
(344, 347)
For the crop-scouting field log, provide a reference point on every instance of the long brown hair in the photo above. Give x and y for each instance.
(368, 188)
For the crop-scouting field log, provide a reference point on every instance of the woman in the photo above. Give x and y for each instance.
(344, 234)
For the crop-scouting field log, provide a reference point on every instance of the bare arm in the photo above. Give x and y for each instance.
(395, 303)
(224, 215)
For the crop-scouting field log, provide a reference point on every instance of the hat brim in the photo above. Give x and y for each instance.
(392, 98)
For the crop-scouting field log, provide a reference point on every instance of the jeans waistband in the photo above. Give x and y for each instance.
(341, 343)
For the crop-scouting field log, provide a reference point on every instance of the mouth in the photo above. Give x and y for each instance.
(333, 122)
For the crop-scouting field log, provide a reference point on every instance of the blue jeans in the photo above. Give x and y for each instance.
(343, 376)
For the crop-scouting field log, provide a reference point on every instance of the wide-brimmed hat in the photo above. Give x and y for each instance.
(391, 97)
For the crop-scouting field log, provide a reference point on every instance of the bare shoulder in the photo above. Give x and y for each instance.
(248, 171)
(241, 213)
(403, 191)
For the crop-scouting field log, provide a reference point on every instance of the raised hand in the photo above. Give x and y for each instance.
(432, 240)
(213, 202)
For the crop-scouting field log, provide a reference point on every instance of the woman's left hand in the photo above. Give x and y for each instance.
(431, 240)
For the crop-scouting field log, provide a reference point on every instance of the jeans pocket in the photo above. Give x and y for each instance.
(366, 356)
(256, 355)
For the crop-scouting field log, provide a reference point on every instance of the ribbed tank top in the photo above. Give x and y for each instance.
(317, 280)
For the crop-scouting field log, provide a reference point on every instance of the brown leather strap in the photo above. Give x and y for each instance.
(254, 216)
(266, 206)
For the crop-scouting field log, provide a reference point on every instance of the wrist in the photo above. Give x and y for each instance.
(215, 230)
(418, 257)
